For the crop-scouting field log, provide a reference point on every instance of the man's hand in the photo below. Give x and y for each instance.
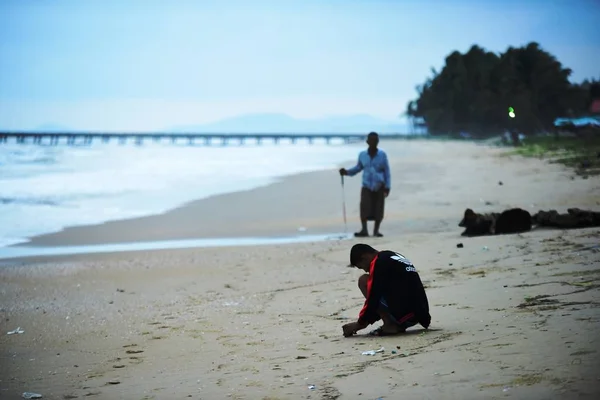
(351, 328)
(343, 171)
(386, 192)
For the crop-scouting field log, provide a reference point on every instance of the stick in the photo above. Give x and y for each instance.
(344, 207)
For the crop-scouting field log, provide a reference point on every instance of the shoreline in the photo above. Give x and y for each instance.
(140, 204)
(45, 238)
(24, 253)
(205, 208)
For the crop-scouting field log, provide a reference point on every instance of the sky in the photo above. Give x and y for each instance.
(146, 65)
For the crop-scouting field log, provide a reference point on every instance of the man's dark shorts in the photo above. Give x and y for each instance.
(372, 204)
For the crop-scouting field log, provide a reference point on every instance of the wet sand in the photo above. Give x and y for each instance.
(514, 316)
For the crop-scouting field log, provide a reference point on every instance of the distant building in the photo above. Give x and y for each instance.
(595, 107)
(578, 122)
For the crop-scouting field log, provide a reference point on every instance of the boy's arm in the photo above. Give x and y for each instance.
(369, 315)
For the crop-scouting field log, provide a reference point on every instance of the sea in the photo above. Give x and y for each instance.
(44, 188)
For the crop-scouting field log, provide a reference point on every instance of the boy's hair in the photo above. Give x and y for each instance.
(359, 250)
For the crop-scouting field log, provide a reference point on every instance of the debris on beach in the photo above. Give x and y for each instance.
(312, 387)
(18, 330)
(372, 352)
(460, 245)
(30, 395)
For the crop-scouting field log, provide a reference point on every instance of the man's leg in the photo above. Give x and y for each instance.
(364, 229)
(389, 326)
(376, 228)
(378, 209)
(365, 204)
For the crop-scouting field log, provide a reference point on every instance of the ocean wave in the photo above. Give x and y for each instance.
(22, 157)
(29, 201)
(45, 160)
(69, 200)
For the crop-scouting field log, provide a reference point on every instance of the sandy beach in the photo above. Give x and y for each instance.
(514, 316)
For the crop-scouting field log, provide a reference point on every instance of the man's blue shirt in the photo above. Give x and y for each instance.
(376, 170)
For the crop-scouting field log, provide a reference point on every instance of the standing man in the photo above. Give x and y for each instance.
(376, 184)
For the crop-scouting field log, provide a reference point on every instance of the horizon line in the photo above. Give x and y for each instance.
(167, 133)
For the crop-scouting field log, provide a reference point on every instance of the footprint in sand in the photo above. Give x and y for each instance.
(132, 351)
(136, 360)
(168, 316)
(94, 375)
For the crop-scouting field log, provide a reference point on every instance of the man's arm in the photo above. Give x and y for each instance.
(386, 173)
(356, 169)
(369, 315)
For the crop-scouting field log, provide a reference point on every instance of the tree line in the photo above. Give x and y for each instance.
(482, 93)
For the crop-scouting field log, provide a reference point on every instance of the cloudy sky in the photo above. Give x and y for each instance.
(152, 64)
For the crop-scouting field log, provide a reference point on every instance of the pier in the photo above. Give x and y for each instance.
(191, 139)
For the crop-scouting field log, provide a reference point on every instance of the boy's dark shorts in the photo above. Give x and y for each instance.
(406, 321)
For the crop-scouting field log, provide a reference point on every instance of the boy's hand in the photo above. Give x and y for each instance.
(351, 328)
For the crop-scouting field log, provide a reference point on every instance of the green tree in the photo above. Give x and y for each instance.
(473, 92)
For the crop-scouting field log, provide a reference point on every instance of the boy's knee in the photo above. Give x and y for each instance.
(362, 281)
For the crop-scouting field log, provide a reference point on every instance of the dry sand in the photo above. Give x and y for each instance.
(514, 316)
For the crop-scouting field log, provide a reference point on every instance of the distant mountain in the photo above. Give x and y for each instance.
(282, 123)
